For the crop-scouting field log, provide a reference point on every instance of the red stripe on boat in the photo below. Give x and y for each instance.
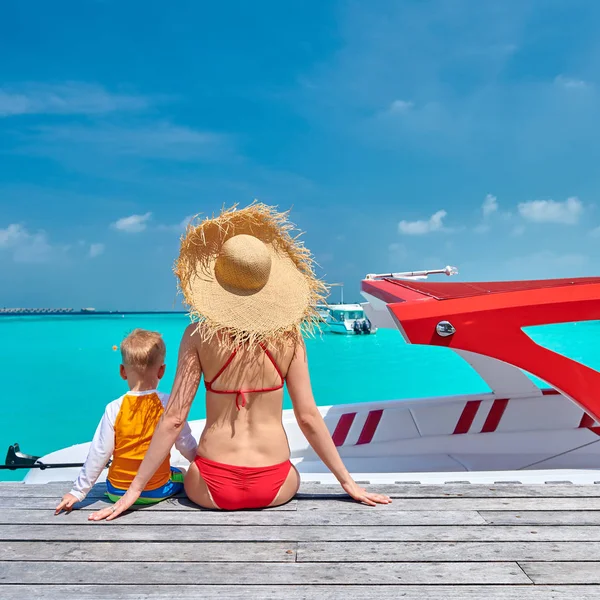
(494, 416)
(550, 392)
(467, 416)
(342, 428)
(587, 421)
(370, 426)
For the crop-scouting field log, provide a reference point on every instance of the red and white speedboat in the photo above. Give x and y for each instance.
(516, 432)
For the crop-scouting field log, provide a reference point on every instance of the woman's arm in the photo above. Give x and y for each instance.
(314, 429)
(172, 422)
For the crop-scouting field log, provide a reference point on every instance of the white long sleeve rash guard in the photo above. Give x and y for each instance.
(103, 444)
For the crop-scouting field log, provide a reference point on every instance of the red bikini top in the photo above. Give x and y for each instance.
(242, 393)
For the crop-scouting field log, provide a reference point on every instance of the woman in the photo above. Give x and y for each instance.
(252, 289)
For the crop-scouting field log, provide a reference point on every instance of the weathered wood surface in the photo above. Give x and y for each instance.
(455, 573)
(173, 551)
(118, 532)
(541, 517)
(91, 504)
(52, 490)
(540, 503)
(12, 516)
(503, 542)
(503, 490)
(298, 592)
(563, 572)
(333, 503)
(335, 552)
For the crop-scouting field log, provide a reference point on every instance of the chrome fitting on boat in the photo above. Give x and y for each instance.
(445, 329)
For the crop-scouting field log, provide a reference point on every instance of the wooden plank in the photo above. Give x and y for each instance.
(550, 517)
(468, 490)
(445, 551)
(51, 490)
(46, 490)
(17, 516)
(173, 591)
(253, 573)
(541, 503)
(563, 572)
(149, 551)
(176, 504)
(116, 532)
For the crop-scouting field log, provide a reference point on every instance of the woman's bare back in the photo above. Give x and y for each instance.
(244, 427)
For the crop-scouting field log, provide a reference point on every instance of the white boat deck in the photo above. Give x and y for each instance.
(441, 542)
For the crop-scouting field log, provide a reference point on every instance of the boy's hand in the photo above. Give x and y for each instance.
(66, 503)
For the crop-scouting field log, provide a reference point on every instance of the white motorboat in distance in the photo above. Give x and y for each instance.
(348, 319)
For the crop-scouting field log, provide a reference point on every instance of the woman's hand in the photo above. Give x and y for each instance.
(361, 495)
(116, 509)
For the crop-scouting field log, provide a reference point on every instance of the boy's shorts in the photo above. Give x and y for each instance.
(172, 487)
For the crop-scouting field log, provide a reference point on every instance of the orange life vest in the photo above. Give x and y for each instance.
(134, 427)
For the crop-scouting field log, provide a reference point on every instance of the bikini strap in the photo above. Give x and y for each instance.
(208, 384)
(242, 393)
(274, 363)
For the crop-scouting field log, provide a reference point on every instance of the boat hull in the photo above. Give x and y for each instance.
(450, 434)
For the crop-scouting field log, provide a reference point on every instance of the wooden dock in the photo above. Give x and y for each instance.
(454, 541)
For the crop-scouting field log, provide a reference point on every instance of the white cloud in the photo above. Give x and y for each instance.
(434, 223)
(11, 235)
(529, 121)
(551, 211)
(489, 206)
(570, 83)
(96, 250)
(161, 140)
(401, 106)
(67, 98)
(25, 246)
(133, 223)
(178, 227)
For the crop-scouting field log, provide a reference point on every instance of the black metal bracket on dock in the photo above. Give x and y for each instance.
(15, 459)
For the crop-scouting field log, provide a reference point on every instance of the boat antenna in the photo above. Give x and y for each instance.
(414, 274)
(341, 286)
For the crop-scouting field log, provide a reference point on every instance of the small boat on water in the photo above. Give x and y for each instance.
(515, 431)
(348, 319)
(323, 311)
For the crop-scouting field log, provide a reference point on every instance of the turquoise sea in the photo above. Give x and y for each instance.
(58, 372)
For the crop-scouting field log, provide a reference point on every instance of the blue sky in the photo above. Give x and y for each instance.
(404, 134)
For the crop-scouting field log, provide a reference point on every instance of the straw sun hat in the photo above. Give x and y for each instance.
(243, 274)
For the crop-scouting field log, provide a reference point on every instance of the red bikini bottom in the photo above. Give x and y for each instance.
(235, 488)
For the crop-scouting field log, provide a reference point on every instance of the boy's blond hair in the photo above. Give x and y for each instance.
(142, 349)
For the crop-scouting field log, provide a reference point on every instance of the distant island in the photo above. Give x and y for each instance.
(84, 311)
